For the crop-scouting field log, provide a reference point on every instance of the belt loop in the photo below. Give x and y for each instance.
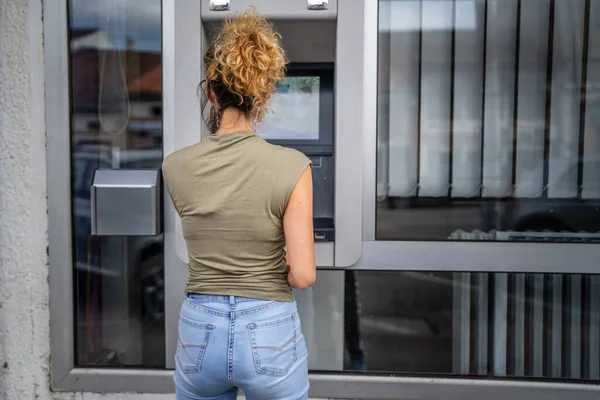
(232, 300)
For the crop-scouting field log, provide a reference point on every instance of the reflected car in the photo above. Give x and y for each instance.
(575, 214)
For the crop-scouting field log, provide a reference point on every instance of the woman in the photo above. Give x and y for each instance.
(242, 201)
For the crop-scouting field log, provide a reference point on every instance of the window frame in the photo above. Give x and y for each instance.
(375, 255)
(406, 255)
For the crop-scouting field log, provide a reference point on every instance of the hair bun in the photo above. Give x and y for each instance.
(247, 57)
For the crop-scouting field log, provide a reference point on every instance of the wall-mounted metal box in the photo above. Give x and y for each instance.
(126, 202)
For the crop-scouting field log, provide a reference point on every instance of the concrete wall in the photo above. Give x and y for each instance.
(24, 315)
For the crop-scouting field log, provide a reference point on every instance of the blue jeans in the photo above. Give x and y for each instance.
(229, 342)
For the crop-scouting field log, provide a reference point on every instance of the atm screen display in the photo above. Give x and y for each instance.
(294, 113)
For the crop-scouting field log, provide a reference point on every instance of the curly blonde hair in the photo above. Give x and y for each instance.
(243, 64)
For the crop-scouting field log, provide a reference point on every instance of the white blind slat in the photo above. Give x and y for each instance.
(404, 98)
(565, 108)
(468, 100)
(499, 98)
(531, 100)
(436, 66)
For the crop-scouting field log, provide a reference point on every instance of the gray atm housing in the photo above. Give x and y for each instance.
(309, 38)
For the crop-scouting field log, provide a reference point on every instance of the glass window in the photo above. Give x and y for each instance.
(116, 92)
(539, 326)
(488, 123)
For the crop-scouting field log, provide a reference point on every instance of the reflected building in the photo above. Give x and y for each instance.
(116, 123)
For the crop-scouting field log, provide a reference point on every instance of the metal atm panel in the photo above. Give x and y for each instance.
(312, 38)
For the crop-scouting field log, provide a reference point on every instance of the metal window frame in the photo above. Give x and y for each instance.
(59, 189)
(403, 255)
(446, 255)
(347, 386)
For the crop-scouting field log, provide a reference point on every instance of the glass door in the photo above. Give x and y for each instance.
(115, 57)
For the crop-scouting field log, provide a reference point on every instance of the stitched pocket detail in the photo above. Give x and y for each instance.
(191, 345)
(274, 345)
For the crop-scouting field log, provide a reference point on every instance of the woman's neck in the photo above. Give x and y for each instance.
(233, 120)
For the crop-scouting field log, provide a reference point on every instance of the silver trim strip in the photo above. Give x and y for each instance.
(56, 53)
(349, 386)
(182, 69)
(384, 388)
(349, 127)
(369, 142)
(480, 257)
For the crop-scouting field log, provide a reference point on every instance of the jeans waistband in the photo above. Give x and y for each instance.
(218, 298)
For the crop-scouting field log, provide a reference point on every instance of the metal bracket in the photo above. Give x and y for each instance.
(318, 4)
(219, 5)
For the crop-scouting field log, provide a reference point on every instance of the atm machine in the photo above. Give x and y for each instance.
(313, 113)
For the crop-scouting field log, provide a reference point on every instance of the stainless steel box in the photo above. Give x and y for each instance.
(126, 202)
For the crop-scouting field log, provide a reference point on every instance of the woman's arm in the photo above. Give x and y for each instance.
(299, 235)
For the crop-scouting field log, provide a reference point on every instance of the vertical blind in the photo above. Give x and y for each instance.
(489, 98)
(527, 325)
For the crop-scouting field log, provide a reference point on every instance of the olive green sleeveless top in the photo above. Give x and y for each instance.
(231, 191)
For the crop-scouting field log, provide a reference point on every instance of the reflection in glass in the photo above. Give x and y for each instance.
(295, 110)
(488, 122)
(116, 91)
(468, 324)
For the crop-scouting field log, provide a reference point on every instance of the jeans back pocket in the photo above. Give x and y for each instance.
(191, 345)
(274, 345)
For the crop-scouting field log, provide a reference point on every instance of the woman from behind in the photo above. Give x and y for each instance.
(246, 213)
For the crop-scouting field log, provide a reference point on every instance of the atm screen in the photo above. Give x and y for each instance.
(294, 113)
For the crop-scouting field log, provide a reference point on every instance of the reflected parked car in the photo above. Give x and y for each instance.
(563, 209)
